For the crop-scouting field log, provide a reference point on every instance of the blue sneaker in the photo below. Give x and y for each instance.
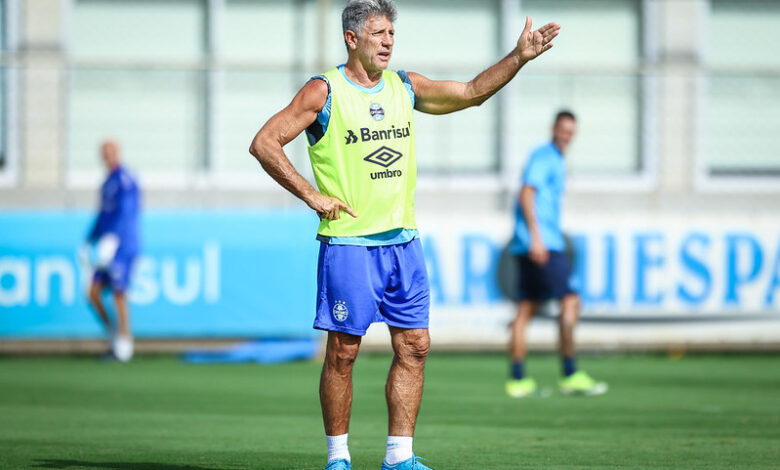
(340, 464)
(409, 464)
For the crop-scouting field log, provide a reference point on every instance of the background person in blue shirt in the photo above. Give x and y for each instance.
(114, 236)
(544, 267)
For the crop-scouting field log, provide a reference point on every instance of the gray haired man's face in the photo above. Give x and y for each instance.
(374, 44)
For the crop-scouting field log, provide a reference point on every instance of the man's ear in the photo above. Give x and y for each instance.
(350, 37)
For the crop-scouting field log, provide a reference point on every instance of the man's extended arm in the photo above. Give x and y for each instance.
(443, 96)
(537, 251)
(281, 129)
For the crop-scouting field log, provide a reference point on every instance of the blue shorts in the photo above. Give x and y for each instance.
(359, 285)
(550, 281)
(117, 275)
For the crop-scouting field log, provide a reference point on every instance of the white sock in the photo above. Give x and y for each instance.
(123, 348)
(337, 447)
(399, 448)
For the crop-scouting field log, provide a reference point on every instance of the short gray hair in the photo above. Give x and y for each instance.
(355, 14)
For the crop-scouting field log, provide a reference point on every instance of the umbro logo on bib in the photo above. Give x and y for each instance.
(384, 156)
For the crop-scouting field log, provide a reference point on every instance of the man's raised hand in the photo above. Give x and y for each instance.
(533, 43)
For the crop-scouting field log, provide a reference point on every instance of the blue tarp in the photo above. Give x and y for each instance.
(267, 351)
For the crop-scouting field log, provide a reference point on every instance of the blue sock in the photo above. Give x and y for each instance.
(517, 370)
(569, 366)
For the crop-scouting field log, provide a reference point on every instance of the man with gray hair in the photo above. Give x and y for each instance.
(358, 118)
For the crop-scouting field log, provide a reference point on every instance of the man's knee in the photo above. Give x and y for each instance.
(568, 320)
(570, 310)
(94, 293)
(412, 345)
(120, 299)
(342, 350)
(526, 310)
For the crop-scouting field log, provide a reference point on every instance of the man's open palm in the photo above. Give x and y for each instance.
(533, 43)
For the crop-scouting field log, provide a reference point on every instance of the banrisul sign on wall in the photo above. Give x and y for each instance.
(232, 273)
(202, 274)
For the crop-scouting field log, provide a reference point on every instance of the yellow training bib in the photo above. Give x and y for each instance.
(367, 157)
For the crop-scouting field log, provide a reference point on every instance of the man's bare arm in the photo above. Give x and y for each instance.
(445, 96)
(537, 251)
(281, 129)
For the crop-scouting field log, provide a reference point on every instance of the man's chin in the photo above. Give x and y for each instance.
(382, 64)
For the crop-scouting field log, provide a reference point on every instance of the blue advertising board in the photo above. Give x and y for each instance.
(201, 274)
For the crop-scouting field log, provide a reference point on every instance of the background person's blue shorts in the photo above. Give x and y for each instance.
(358, 285)
(117, 275)
(544, 282)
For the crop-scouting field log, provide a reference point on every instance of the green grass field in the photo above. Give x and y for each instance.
(160, 414)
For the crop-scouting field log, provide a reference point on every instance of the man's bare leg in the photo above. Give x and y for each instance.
(123, 341)
(404, 390)
(570, 315)
(574, 381)
(123, 314)
(94, 297)
(518, 384)
(526, 310)
(336, 391)
(405, 381)
(336, 381)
